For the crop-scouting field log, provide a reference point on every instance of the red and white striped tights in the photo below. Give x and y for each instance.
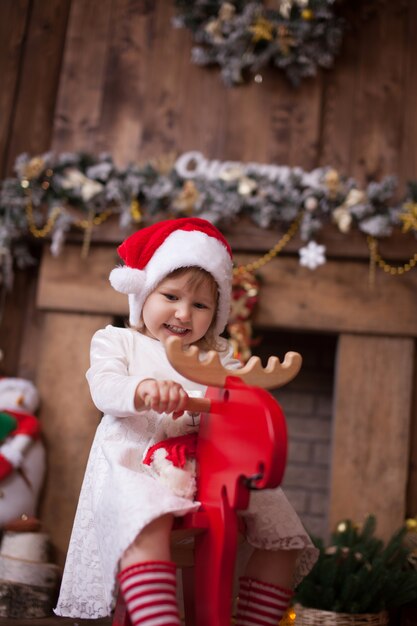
(149, 591)
(261, 604)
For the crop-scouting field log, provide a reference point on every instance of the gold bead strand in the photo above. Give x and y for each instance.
(393, 270)
(46, 229)
(84, 224)
(273, 252)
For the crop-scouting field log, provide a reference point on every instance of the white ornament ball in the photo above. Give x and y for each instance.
(311, 204)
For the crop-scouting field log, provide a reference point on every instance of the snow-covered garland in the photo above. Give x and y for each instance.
(52, 193)
(243, 36)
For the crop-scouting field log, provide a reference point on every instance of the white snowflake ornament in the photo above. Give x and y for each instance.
(312, 255)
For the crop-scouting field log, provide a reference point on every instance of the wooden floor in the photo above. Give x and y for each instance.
(56, 621)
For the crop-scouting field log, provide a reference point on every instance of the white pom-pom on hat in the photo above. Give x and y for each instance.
(127, 279)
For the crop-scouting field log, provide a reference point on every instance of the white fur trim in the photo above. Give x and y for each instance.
(135, 309)
(185, 249)
(181, 481)
(127, 279)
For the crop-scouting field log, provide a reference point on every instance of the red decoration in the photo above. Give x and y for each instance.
(245, 290)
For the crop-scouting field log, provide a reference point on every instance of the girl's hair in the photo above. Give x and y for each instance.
(198, 276)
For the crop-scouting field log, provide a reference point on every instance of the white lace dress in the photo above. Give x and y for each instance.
(120, 495)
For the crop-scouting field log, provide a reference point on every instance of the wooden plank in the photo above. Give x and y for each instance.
(141, 116)
(245, 236)
(12, 318)
(363, 127)
(17, 600)
(378, 116)
(127, 100)
(335, 297)
(242, 107)
(13, 23)
(339, 97)
(38, 79)
(407, 166)
(412, 473)
(157, 114)
(68, 417)
(80, 96)
(200, 106)
(125, 88)
(31, 331)
(371, 430)
(291, 118)
(75, 284)
(56, 621)
(305, 124)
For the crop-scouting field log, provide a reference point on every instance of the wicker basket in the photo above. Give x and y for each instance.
(316, 617)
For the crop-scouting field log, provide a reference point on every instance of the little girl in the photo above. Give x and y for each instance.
(177, 274)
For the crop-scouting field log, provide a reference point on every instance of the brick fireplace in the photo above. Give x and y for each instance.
(308, 405)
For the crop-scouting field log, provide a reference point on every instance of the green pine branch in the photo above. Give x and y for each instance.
(358, 573)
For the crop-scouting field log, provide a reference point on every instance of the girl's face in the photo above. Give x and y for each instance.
(179, 307)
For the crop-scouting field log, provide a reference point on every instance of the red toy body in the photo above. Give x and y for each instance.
(242, 445)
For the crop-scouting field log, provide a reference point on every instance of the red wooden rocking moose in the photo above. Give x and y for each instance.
(242, 445)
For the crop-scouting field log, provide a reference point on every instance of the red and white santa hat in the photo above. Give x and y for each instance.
(154, 252)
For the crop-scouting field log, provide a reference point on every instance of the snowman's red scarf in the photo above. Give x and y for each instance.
(27, 424)
(179, 449)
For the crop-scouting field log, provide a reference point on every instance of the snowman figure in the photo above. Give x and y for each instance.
(22, 454)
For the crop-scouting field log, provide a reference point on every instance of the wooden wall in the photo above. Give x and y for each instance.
(127, 86)
(113, 75)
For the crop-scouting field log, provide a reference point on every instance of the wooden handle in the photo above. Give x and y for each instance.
(198, 405)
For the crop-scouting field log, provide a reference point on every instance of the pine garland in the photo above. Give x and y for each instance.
(54, 193)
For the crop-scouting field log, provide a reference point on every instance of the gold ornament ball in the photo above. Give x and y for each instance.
(411, 525)
(307, 14)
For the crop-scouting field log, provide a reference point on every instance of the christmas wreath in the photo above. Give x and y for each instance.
(243, 36)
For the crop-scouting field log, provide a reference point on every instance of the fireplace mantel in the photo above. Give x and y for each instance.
(374, 419)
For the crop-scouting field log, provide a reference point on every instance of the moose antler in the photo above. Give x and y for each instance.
(210, 371)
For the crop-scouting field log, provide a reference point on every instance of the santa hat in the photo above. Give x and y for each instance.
(154, 252)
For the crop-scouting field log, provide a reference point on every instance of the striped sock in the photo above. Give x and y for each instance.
(261, 604)
(149, 590)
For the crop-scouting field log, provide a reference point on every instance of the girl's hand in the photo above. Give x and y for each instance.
(162, 396)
